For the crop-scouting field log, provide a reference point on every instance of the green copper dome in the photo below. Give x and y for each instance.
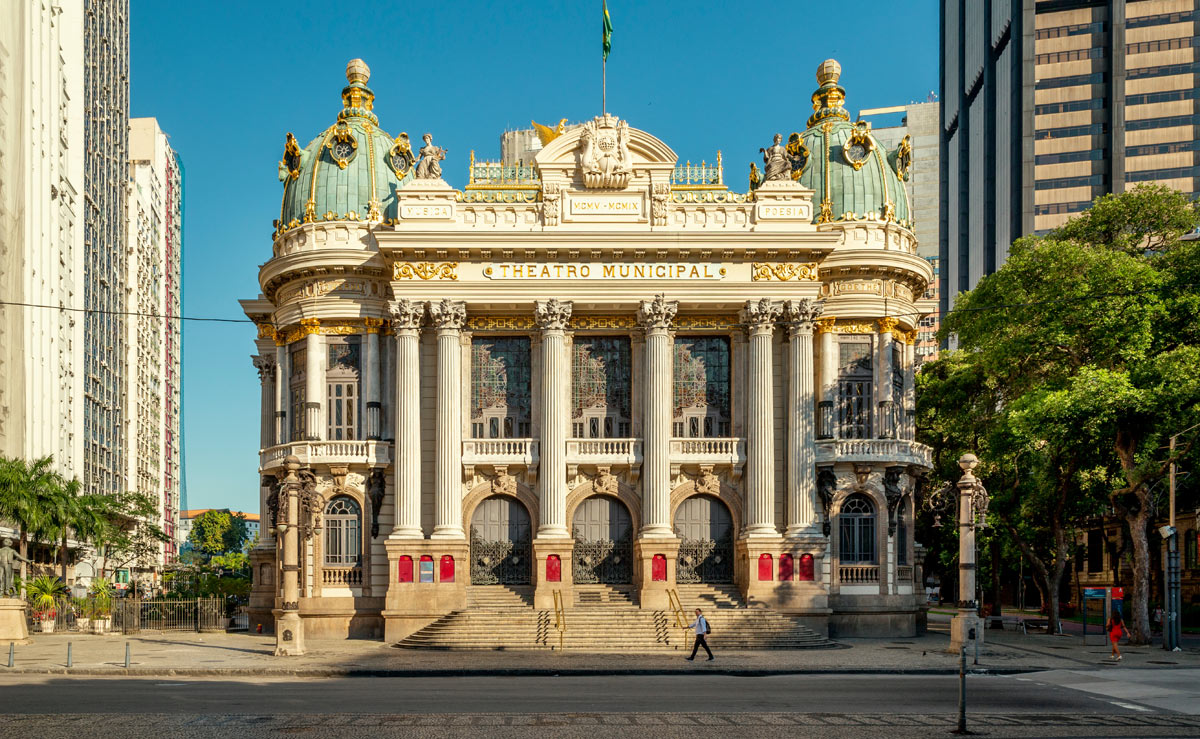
(351, 170)
(852, 176)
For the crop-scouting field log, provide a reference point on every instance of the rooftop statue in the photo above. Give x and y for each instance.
(604, 156)
(428, 168)
(776, 166)
(546, 134)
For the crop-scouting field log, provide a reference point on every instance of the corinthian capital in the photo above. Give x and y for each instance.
(448, 314)
(552, 314)
(658, 313)
(760, 314)
(407, 314)
(265, 367)
(800, 314)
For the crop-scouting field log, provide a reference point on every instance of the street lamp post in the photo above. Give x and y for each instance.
(1172, 628)
(966, 627)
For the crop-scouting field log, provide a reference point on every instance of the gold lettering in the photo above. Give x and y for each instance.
(570, 270)
(585, 271)
(609, 271)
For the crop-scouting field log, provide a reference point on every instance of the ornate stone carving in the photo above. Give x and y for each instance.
(310, 502)
(551, 205)
(552, 314)
(429, 168)
(375, 491)
(776, 167)
(658, 204)
(406, 314)
(658, 313)
(604, 481)
(886, 325)
(892, 490)
(265, 367)
(800, 314)
(425, 271)
(273, 485)
(503, 483)
(827, 483)
(707, 483)
(604, 158)
(760, 313)
(448, 314)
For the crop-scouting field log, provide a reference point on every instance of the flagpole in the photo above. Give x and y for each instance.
(604, 87)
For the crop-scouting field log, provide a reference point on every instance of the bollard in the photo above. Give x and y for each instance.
(12, 652)
(126, 655)
(69, 660)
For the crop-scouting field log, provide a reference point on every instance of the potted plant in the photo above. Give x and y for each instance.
(44, 593)
(100, 597)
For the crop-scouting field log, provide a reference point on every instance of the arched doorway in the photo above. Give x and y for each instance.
(603, 533)
(705, 527)
(500, 543)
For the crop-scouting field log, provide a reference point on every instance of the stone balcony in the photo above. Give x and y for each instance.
(613, 453)
(717, 452)
(369, 453)
(515, 455)
(885, 451)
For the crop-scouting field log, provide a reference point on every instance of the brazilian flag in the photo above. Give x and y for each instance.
(607, 31)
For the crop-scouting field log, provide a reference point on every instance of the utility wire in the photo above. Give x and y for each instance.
(127, 313)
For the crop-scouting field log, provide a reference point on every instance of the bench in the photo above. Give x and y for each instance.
(1040, 623)
(1003, 622)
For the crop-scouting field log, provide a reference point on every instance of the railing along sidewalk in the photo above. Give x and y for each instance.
(676, 607)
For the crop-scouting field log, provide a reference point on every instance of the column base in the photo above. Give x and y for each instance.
(406, 534)
(761, 531)
(960, 631)
(12, 621)
(661, 531)
(543, 587)
(447, 532)
(552, 532)
(412, 605)
(804, 532)
(289, 634)
(652, 593)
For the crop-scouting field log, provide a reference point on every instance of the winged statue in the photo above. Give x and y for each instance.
(546, 134)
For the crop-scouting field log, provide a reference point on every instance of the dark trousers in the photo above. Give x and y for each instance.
(701, 642)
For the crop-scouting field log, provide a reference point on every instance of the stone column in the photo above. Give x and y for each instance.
(552, 316)
(448, 317)
(759, 318)
(370, 375)
(966, 626)
(801, 414)
(885, 402)
(314, 385)
(406, 324)
(656, 317)
(910, 395)
(266, 380)
(289, 629)
(827, 397)
(283, 374)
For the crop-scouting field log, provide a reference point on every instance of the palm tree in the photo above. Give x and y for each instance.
(24, 490)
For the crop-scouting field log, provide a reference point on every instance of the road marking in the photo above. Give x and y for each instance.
(168, 685)
(1130, 706)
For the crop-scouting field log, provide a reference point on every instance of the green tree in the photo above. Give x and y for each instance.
(130, 534)
(25, 488)
(217, 532)
(1089, 340)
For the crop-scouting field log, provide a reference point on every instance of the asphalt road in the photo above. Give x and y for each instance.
(681, 705)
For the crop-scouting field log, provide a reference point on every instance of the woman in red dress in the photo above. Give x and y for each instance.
(1115, 629)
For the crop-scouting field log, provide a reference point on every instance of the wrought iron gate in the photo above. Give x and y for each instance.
(603, 561)
(705, 560)
(500, 562)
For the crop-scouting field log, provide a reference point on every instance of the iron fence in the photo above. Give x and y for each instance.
(130, 615)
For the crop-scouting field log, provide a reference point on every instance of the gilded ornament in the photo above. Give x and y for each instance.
(400, 156)
(706, 322)
(783, 271)
(309, 326)
(342, 145)
(854, 327)
(887, 324)
(903, 158)
(859, 146)
(289, 166)
(825, 324)
(266, 330)
(373, 325)
(425, 271)
(588, 323)
(910, 337)
(500, 323)
(826, 212)
(546, 134)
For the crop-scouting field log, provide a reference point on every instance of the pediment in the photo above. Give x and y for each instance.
(562, 157)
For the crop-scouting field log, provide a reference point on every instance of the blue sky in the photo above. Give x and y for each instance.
(228, 80)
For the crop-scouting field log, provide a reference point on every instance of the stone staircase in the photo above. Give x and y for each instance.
(607, 619)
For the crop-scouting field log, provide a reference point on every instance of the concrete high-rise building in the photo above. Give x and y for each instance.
(153, 270)
(1047, 104)
(921, 124)
(41, 232)
(106, 181)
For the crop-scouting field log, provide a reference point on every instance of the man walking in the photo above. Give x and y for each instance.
(700, 626)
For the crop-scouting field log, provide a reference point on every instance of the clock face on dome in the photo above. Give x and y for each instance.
(858, 147)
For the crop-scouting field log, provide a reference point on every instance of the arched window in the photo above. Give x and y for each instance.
(857, 541)
(343, 526)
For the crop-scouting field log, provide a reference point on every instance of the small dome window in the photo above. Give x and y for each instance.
(400, 157)
(342, 145)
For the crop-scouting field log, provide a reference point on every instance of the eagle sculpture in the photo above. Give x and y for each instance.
(546, 134)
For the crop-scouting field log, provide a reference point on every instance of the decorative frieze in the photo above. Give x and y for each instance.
(783, 271)
(425, 271)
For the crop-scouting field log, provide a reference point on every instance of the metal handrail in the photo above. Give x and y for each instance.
(677, 610)
(560, 618)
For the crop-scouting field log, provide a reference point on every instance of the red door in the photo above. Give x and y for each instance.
(658, 568)
(405, 569)
(446, 569)
(785, 567)
(553, 568)
(805, 571)
(765, 567)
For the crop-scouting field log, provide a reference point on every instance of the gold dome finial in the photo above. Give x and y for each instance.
(829, 71)
(357, 71)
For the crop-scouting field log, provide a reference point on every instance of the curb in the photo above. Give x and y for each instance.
(492, 672)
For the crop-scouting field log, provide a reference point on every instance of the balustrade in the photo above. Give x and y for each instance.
(341, 577)
(313, 452)
(500, 451)
(904, 573)
(858, 574)
(895, 451)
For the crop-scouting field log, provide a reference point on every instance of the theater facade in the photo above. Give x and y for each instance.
(601, 367)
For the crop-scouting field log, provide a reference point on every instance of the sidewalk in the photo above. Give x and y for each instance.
(240, 654)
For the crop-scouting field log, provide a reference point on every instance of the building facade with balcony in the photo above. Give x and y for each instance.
(598, 368)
